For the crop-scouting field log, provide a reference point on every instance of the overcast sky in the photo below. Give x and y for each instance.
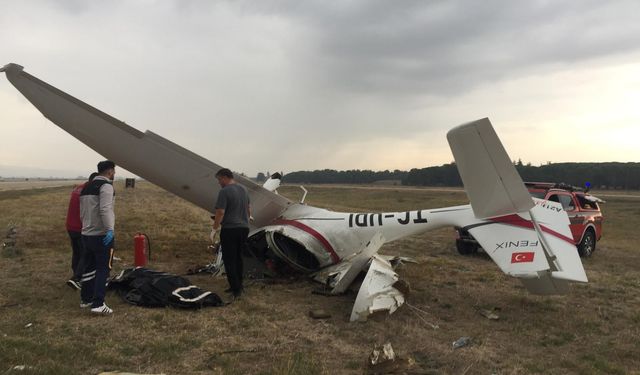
(302, 85)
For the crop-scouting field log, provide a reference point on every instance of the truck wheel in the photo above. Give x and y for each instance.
(587, 246)
(466, 248)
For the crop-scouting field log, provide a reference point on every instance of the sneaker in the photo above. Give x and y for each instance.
(103, 310)
(84, 305)
(73, 284)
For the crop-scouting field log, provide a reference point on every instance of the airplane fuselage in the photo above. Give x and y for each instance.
(329, 237)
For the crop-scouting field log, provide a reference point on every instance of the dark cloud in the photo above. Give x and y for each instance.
(445, 47)
(349, 80)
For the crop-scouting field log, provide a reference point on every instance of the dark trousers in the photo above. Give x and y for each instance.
(233, 241)
(77, 265)
(96, 269)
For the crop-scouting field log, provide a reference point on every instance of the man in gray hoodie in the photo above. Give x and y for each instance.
(98, 221)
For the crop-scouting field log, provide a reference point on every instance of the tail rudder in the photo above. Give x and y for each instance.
(531, 241)
(491, 182)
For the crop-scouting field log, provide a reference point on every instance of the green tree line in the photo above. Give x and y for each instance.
(355, 176)
(610, 175)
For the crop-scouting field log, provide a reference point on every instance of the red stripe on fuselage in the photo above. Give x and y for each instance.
(327, 246)
(517, 221)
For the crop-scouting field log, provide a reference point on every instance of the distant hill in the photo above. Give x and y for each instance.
(330, 176)
(610, 175)
(23, 172)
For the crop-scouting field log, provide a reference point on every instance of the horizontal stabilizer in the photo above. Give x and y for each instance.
(535, 247)
(513, 244)
(492, 183)
(552, 225)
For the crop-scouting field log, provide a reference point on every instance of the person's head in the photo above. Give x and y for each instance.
(107, 168)
(92, 176)
(224, 177)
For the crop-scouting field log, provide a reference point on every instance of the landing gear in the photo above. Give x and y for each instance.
(465, 243)
(465, 247)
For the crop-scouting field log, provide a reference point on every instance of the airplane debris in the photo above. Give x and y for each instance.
(397, 260)
(319, 314)
(28, 325)
(339, 277)
(273, 183)
(461, 342)
(21, 368)
(377, 292)
(489, 314)
(383, 360)
(382, 354)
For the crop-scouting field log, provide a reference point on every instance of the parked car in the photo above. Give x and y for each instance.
(585, 217)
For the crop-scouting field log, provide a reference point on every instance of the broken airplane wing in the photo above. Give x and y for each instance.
(172, 167)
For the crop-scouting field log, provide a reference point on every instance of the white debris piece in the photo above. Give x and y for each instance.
(382, 355)
(377, 292)
(340, 276)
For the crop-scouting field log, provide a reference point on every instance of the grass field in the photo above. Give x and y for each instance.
(28, 184)
(594, 329)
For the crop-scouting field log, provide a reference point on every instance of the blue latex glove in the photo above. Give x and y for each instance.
(108, 238)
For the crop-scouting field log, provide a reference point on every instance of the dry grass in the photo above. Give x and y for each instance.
(595, 329)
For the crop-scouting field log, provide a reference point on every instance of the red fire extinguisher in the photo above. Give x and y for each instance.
(142, 249)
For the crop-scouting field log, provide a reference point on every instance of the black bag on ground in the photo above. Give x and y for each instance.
(149, 288)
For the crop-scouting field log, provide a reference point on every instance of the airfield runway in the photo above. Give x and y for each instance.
(23, 184)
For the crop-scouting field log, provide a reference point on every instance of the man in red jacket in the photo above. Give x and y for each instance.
(74, 228)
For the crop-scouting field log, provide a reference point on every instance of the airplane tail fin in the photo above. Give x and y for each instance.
(528, 240)
(493, 185)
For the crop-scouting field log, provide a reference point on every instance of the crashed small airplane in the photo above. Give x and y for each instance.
(334, 247)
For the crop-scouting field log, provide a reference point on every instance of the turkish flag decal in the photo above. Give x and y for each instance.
(525, 257)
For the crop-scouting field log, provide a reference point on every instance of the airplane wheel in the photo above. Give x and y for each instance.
(466, 248)
(587, 246)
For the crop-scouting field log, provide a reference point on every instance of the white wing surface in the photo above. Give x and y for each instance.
(148, 155)
(492, 183)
